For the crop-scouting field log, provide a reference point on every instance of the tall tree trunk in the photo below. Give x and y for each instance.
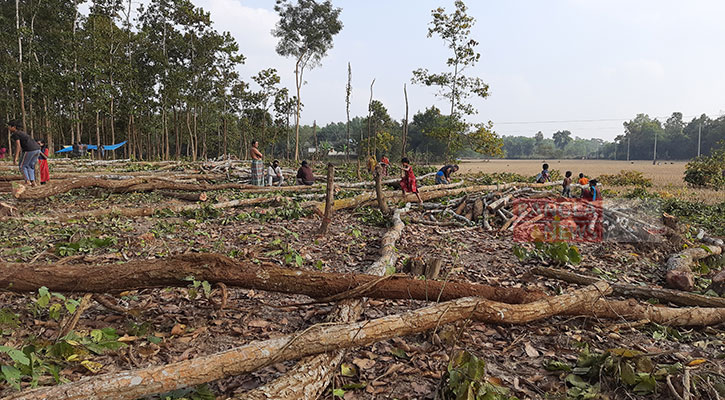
(98, 135)
(298, 83)
(176, 132)
(405, 122)
(48, 133)
(370, 115)
(77, 118)
(314, 134)
(20, 62)
(348, 92)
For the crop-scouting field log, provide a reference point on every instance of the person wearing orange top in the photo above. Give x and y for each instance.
(583, 180)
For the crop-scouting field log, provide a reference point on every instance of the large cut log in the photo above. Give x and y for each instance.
(133, 384)
(53, 188)
(645, 293)
(382, 203)
(631, 310)
(214, 268)
(679, 266)
(312, 375)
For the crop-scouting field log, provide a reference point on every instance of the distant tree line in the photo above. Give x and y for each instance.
(676, 140)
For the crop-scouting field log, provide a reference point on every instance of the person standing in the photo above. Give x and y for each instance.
(274, 174)
(384, 164)
(566, 185)
(30, 149)
(443, 176)
(407, 181)
(43, 162)
(257, 172)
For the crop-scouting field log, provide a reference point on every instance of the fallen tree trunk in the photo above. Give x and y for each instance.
(644, 293)
(53, 188)
(679, 271)
(184, 196)
(172, 271)
(426, 193)
(631, 310)
(317, 339)
(149, 211)
(384, 182)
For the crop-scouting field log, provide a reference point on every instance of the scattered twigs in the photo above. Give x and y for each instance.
(72, 321)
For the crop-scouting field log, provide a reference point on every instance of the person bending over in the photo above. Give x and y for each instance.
(443, 176)
(30, 148)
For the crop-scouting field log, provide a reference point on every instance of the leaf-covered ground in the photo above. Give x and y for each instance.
(562, 357)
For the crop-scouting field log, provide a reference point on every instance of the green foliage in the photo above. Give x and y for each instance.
(55, 304)
(626, 178)
(499, 177)
(195, 286)
(284, 248)
(371, 216)
(465, 379)
(709, 217)
(628, 368)
(556, 253)
(85, 245)
(708, 171)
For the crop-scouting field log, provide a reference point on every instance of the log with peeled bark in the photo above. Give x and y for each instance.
(329, 198)
(317, 339)
(679, 266)
(641, 292)
(172, 271)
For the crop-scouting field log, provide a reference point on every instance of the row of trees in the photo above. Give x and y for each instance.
(644, 138)
(162, 78)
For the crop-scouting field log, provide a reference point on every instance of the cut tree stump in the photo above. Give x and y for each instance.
(133, 384)
(329, 199)
(644, 293)
(679, 266)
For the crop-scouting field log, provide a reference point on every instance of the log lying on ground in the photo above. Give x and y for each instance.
(190, 196)
(312, 375)
(122, 175)
(214, 268)
(53, 188)
(317, 339)
(631, 310)
(426, 193)
(641, 292)
(384, 182)
(679, 272)
(149, 211)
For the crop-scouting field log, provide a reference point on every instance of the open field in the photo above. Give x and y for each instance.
(666, 177)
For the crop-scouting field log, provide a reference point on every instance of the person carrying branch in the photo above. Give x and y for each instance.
(407, 181)
(30, 149)
(43, 162)
(257, 172)
(443, 176)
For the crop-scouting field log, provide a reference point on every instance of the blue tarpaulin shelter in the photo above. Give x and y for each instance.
(106, 147)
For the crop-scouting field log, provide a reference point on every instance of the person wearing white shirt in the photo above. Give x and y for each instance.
(274, 174)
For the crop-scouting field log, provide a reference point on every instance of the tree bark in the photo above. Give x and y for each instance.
(405, 122)
(201, 196)
(382, 203)
(329, 199)
(679, 271)
(644, 293)
(129, 385)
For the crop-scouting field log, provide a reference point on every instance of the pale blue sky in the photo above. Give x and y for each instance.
(557, 60)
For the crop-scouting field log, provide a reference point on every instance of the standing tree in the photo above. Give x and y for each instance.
(305, 31)
(455, 30)
(348, 93)
(561, 139)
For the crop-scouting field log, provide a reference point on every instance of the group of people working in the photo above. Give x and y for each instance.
(29, 152)
(274, 176)
(590, 190)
